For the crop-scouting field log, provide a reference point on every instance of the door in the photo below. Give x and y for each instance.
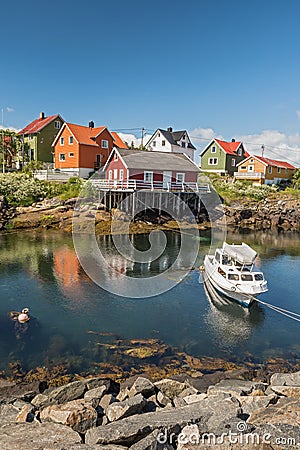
(167, 178)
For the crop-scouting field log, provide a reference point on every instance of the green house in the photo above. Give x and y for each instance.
(39, 135)
(222, 157)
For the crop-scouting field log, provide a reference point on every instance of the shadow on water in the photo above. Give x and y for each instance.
(230, 323)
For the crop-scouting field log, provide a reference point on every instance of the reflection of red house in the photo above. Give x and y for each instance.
(66, 267)
(80, 150)
(148, 167)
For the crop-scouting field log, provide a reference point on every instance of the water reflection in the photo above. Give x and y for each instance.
(230, 323)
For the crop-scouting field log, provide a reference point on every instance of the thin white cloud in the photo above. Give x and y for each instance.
(129, 138)
(9, 109)
(298, 113)
(9, 128)
(277, 145)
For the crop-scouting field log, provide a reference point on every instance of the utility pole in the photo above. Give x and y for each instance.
(3, 162)
(262, 150)
(142, 140)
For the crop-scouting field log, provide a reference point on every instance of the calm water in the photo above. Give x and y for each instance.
(41, 271)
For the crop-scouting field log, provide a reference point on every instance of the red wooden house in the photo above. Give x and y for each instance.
(146, 169)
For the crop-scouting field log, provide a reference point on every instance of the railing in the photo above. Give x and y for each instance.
(132, 185)
(52, 175)
(249, 175)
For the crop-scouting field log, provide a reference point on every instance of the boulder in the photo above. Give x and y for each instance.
(129, 430)
(31, 436)
(8, 414)
(285, 411)
(285, 379)
(26, 414)
(78, 414)
(194, 398)
(107, 400)
(142, 386)
(287, 391)
(95, 395)
(96, 382)
(235, 387)
(41, 401)
(189, 435)
(170, 388)
(251, 403)
(119, 410)
(21, 391)
(163, 400)
(67, 393)
(151, 442)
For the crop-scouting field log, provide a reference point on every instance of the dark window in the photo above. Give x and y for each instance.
(246, 277)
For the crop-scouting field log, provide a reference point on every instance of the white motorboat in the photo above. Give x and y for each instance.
(232, 272)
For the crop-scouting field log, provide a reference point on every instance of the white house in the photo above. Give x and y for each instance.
(171, 141)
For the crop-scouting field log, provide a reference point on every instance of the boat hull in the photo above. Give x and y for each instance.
(229, 291)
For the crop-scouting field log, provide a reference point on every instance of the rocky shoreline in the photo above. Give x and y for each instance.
(233, 410)
(270, 214)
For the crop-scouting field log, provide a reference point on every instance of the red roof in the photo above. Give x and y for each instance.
(83, 134)
(275, 162)
(37, 125)
(118, 141)
(230, 147)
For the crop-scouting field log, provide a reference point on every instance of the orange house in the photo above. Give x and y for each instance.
(262, 170)
(81, 150)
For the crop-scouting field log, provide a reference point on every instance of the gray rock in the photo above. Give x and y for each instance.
(236, 387)
(280, 437)
(170, 388)
(251, 403)
(8, 414)
(285, 379)
(119, 410)
(41, 400)
(151, 442)
(188, 435)
(32, 436)
(142, 386)
(26, 414)
(287, 391)
(111, 386)
(194, 398)
(286, 412)
(188, 391)
(78, 414)
(107, 400)
(178, 402)
(128, 430)
(95, 395)
(123, 394)
(163, 400)
(21, 391)
(67, 393)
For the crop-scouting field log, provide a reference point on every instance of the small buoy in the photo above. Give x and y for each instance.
(21, 317)
(201, 268)
(233, 288)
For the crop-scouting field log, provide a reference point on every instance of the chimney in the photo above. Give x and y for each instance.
(42, 115)
(91, 124)
(232, 140)
(170, 129)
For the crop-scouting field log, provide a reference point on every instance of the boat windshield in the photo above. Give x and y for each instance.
(258, 276)
(233, 276)
(246, 277)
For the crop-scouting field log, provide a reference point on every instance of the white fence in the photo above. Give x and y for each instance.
(52, 175)
(132, 185)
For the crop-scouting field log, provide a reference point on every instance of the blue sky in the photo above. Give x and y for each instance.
(226, 68)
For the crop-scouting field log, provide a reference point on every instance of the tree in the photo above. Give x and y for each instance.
(296, 178)
(10, 147)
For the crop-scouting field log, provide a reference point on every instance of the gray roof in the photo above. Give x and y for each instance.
(175, 136)
(240, 253)
(147, 160)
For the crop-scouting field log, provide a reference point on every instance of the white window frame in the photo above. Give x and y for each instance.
(71, 140)
(71, 155)
(110, 174)
(62, 141)
(251, 168)
(154, 143)
(183, 145)
(286, 170)
(62, 157)
(180, 175)
(104, 143)
(233, 162)
(146, 173)
(57, 124)
(213, 149)
(121, 174)
(240, 151)
(163, 143)
(212, 161)
(116, 156)
(270, 170)
(278, 169)
(243, 167)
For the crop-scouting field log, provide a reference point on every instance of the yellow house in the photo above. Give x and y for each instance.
(262, 170)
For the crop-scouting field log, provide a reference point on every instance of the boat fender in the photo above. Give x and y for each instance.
(233, 288)
(201, 268)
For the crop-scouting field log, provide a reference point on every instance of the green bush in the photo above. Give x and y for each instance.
(242, 189)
